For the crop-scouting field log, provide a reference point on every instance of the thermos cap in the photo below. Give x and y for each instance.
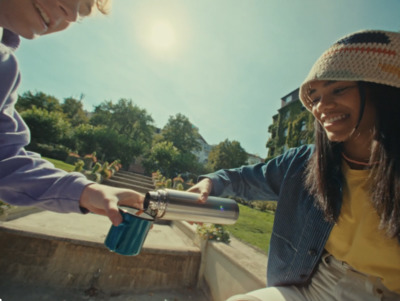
(140, 213)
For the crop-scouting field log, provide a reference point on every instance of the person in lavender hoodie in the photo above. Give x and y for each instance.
(25, 178)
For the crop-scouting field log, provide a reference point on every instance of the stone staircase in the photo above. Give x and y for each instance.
(130, 180)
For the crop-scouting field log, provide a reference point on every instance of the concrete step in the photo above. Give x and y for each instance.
(31, 292)
(116, 183)
(144, 184)
(67, 252)
(134, 176)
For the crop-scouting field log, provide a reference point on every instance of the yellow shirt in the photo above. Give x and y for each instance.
(356, 239)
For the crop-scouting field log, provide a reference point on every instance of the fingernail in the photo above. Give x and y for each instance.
(116, 220)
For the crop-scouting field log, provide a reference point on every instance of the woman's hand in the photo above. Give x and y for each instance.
(104, 200)
(203, 188)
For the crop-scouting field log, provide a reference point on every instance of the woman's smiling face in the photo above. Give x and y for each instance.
(336, 106)
(32, 18)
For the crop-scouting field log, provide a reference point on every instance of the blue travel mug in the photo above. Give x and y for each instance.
(128, 237)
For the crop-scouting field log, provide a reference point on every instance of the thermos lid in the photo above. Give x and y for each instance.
(140, 213)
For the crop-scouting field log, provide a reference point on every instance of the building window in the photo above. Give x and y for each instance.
(286, 115)
(288, 98)
(303, 126)
(285, 132)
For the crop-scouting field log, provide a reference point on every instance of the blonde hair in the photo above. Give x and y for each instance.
(103, 6)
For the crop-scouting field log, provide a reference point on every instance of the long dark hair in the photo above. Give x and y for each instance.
(323, 172)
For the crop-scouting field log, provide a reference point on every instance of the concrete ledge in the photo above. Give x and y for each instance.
(149, 247)
(252, 262)
(227, 269)
(63, 264)
(67, 251)
(92, 230)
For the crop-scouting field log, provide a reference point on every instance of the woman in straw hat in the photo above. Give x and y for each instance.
(336, 234)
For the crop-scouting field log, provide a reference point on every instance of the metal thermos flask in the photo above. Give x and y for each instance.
(167, 204)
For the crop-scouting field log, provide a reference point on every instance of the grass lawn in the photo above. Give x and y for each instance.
(61, 164)
(253, 227)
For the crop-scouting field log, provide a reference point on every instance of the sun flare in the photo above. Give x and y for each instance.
(162, 31)
(162, 36)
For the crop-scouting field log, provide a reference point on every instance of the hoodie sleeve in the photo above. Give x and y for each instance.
(25, 178)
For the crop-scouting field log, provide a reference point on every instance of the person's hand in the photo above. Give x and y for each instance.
(203, 188)
(104, 200)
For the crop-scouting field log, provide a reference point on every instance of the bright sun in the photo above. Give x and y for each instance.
(162, 36)
(162, 32)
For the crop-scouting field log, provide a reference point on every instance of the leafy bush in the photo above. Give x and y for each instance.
(105, 171)
(177, 183)
(115, 166)
(164, 157)
(264, 205)
(47, 127)
(55, 151)
(79, 165)
(168, 183)
(179, 186)
(89, 160)
(72, 158)
(177, 180)
(213, 232)
(3, 207)
(242, 201)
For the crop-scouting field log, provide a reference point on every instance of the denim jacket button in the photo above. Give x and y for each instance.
(312, 252)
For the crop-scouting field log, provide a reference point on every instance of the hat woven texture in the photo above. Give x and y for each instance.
(368, 55)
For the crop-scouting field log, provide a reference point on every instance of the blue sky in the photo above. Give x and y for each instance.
(224, 64)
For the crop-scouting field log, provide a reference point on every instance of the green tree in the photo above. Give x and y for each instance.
(227, 154)
(163, 157)
(187, 164)
(86, 139)
(127, 120)
(115, 146)
(39, 100)
(73, 110)
(108, 144)
(181, 132)
(47, 127)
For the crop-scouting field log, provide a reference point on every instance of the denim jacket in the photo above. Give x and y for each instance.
(300, 231)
